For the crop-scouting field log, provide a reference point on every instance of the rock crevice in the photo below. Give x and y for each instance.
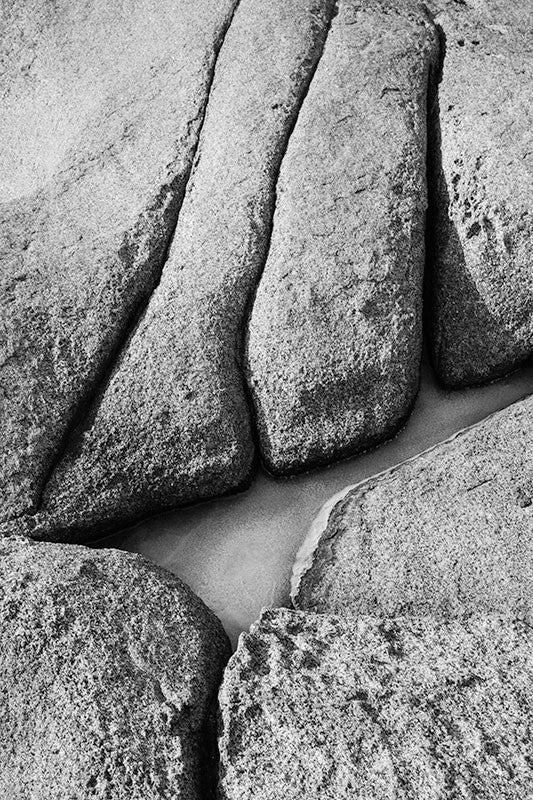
(175, 191)
(107, 110)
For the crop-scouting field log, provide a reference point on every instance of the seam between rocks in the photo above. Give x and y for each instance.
(102, 378)
(241, 360)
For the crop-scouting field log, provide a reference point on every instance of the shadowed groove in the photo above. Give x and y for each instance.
(173, 209)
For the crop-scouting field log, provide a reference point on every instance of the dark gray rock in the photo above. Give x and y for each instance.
(99, 117)
(316, 706)
(482, 173)
(335, 336)
(109, 666)
(447, 533)
(172, 426)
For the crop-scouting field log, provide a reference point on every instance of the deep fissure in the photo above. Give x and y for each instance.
(246, 383)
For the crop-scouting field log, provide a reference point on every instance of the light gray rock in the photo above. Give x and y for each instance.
(316, 706)
(109, 670)
(447, 533)
(99, 117)
(482, 173)
(334, 340)
(172, 424)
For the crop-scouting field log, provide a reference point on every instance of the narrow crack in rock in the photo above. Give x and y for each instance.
(274, 199)
(132, 324)
(84, 234)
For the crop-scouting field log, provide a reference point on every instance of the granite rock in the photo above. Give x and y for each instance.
(317, 706)
(334, 340)
(447, 533)
(100, 113)
(172, 424)
(481, 290)
(109, 671)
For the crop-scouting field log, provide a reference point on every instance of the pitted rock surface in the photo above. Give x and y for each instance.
(172, 426)
(447, 533)
(334, 340)
(317, 706)
(109, 665)
(99, 118)
(481, 317)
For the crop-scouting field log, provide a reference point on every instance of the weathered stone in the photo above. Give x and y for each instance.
(447, 533)
(334, 339)
(109, 671)
(315, 706)
(482, 174)
(99, 118)
(172, 425)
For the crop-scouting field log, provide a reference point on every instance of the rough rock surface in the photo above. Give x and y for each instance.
(109, 670)
(334, 339)
(100, 112)
(482, 291)
(172, 425)
(447, 533)
(314, 706)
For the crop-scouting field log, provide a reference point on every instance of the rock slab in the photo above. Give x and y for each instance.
(172, 424)
(334, 338)
(109, 669)
(99, 119)
(481, 315)
(316, 706)
(447, 533)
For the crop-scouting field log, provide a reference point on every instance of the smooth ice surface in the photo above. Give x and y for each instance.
(237, 553)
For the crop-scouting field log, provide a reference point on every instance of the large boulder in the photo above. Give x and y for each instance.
(100, 113)
(317, 706)
(447, 533)
(334, 340)
(481, 285)
(171, 426)
(109, 666)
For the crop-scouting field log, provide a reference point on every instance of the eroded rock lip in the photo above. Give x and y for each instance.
(109, 666)
(320, 706)
(447, 533)
(481, 319)
(100, 113)
(334, 339)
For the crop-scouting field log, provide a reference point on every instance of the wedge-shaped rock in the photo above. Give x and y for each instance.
(335, 333)
(99, 117)
(172, 425)
(314, 706)
(109, 671)
(446, 533)
(482, 176)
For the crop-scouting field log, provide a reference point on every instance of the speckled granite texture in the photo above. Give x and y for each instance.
(172, 426)
(100, 114)
(481, 174)
(109, 669)
(447, 532)
(317, 706)
(334, 340)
